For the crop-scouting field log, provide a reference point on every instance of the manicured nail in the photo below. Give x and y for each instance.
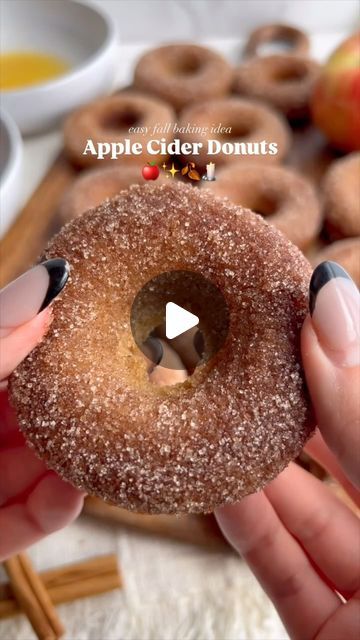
(335, 310)
(25, 297)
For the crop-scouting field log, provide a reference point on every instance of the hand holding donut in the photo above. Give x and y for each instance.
(33, 500)
(326, 529)
(300, 541)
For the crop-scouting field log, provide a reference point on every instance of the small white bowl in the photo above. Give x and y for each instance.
(10, 170)
(79, 34)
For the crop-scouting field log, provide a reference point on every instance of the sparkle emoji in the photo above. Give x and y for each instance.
(173, 171)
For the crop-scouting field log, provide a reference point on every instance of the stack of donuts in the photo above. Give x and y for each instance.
(265, 97)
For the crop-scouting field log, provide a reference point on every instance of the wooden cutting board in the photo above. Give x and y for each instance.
(38, 221)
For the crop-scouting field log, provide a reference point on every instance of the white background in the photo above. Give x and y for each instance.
(151, 20)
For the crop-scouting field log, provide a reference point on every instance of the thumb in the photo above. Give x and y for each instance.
(331, 357)
(24, 311)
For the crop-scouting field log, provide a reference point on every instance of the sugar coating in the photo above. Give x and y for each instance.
(95, 185)
(83, 398)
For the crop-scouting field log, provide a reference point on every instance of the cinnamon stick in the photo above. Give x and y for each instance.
(194, 529)
(27, 599)
(42, 595)
(65, 584)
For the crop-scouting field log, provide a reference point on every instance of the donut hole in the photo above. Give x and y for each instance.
(276, 46)
(121, 120)
(241, 129)
(263, 204)
(290, 73)
(189, 349)
(187, 65)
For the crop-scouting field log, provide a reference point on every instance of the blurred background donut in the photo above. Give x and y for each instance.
(341, 189)
(284, 81)
(250, 122)
(108, 119)
(183, 73)
(282, 196)
(274, 37)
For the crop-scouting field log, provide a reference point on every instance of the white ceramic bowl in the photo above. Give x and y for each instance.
(80, 34)
(10, 170)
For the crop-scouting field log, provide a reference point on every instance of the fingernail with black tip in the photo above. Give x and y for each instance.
(199, 343)
(335, 310)
(322, 274)
(32, 292)
(153, 350)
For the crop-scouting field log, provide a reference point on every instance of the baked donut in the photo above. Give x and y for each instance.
(294, 41)
(183, 73)
(346, 252)
(108, 120)
(341, 191)
(251, 123)
(96, 185)
(285, 198)
(284, 81)
(83, 396)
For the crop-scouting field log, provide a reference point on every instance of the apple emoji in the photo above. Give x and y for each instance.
(150, 171)
(335, 103)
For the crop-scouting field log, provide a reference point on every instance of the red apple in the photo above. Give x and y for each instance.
(150, 171)
(335, 103)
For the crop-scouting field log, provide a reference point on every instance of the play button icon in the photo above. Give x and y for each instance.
(181, 310)
(178, 320)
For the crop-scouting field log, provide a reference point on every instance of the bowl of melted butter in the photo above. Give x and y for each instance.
(11, 152)
(54, 57)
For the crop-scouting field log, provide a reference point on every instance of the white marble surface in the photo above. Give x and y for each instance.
(172, 591)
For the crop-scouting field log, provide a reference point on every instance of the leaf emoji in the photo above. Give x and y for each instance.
(184, 170)
(194, 175)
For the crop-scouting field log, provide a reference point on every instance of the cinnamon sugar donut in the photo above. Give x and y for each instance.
(284, 81)
(252, 124)
(94, 186)
(295, 41)
(108, 120)
(83, 397)
(285, 198)
(183, 73)
(346, 252)
(341, 189)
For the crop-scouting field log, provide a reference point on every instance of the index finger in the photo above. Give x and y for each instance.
(334, 392)
(18, 344)
(330, 345)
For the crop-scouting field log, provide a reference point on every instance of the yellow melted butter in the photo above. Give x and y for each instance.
(19, 69)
